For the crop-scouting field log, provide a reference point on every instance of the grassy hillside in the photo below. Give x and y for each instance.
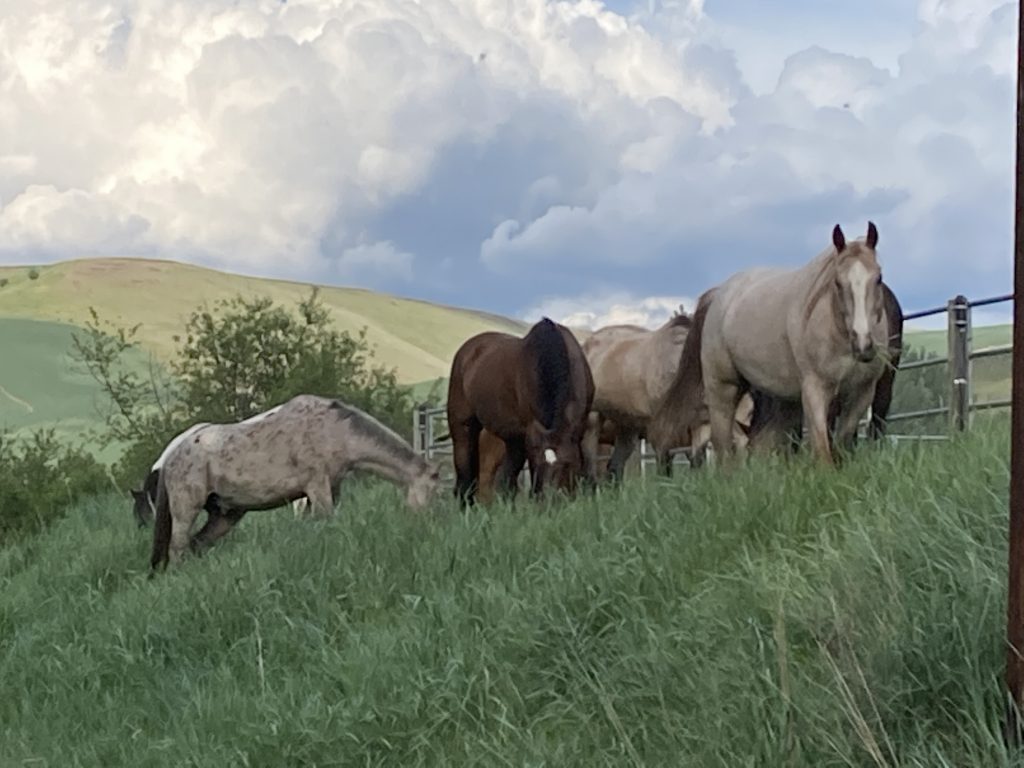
(982, 336)
(416, 337)
(785, 616)
(41, 386)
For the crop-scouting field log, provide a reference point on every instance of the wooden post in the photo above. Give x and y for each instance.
(958, 337)
(1015, 579)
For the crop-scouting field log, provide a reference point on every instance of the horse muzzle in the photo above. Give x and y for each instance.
(864, 353)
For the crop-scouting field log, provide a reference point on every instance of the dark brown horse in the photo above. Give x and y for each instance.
(774, 418)
(534, 393)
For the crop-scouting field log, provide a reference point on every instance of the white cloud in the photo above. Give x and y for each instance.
(245, 134)
(506, 150)
(597, 311)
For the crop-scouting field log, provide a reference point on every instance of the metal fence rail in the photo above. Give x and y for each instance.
(430, 428)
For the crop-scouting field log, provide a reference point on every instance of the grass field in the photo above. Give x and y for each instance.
(415, 337)
(981, 336)
(784, 616)
(41, 386)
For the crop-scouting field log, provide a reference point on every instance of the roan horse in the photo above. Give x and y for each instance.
(815, 333)
(633, 368)
(145, 499)
(304, 448)
(534, 393)
(776, 420)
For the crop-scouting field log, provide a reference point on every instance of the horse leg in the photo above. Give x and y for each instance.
(880, 404)
(699, 439)
(184, 512)
(217, 524)
(722, 397)
(466, 455)
(589, 447)
(507, 482)
(321, 497)
(851, 410)
(625, 444)
(816, 399)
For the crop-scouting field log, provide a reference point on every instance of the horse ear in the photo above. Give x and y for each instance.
(838, 239)
(872, 239)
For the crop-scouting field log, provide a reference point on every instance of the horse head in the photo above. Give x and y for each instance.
(141, 507)
(858, 280)
(424, 486)
(557, 456)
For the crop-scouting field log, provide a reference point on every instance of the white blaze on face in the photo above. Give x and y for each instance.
(549, 456)
(859, 277)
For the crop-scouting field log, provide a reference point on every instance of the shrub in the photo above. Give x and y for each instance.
(40, 477)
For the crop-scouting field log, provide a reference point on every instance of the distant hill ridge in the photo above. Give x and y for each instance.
(416, 337)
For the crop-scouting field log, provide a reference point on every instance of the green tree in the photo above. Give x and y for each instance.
(236, 360)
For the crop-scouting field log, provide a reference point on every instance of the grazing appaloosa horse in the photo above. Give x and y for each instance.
(534, 393)
(304, 448)
(815, 333)
(633, 368)
(776, 420)
(145, 499)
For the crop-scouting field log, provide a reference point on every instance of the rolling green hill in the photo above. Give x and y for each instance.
(981, 336)
(41, 386)
(416, 337)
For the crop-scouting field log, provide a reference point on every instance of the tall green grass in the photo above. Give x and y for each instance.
(781, 616)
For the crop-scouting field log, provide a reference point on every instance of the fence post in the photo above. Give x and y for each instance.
(959, 339)
(417, 428)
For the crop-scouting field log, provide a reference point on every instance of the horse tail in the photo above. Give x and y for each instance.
(161, 526)
(680, 405)
(554, 371)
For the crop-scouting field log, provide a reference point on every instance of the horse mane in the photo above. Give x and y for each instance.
(369, 427)
(823, 281)
(546, 343)
(681, 403)
(680, 319)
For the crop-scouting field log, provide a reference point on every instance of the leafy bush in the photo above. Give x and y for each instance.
(41, 477)
(3, 282)
(33, 274)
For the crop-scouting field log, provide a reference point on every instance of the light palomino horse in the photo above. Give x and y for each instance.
(633, 368)
(779, 423)
(304, 448)
(813, 333)
(145, 499)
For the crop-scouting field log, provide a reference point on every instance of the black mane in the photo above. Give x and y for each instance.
(546, 342)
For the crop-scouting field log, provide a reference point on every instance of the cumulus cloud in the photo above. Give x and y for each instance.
(617, 308)
(924, 152)
(505, 150)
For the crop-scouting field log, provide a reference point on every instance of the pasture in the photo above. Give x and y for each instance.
(784, 616)
(40, 385)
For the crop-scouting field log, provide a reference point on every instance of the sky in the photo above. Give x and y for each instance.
(593, 162)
